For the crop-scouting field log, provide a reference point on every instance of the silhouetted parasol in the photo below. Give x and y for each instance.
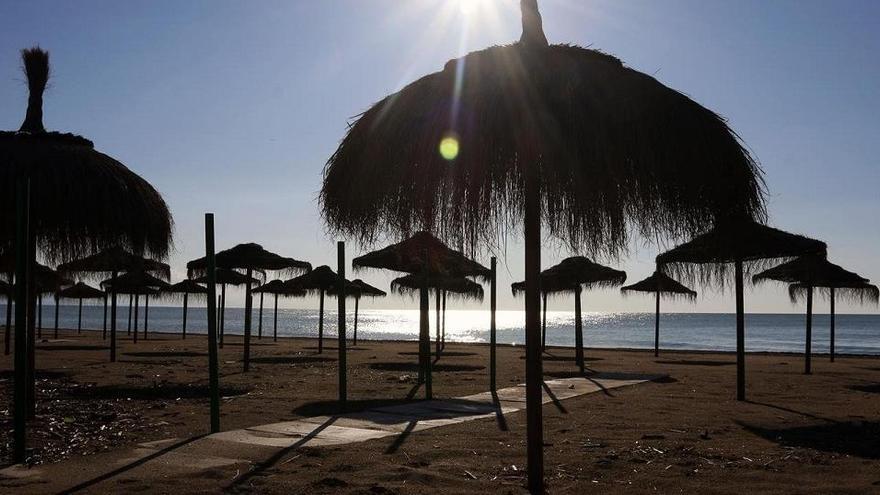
(357, 289)
(278, 288)
(537, 133)
(250, 257)
(137, 283)
(183, 289)
(224, 277)
(320, 280)
(810, 272)
(749, 247)
(571, 275)
(661, 285)
(79, 292)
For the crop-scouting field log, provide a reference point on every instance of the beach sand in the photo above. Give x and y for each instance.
(680, 434)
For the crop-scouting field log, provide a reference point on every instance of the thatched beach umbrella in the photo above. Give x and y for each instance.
(183, 289)
(809, 271)
(862, 292)
(278, 288)
(224, 277)
(320, 281)
(111, 262)
(138, 283)
(79, 292)
(423, 254)
(249, 257)
(458, 286)
(571, 275)
(749, 247)
(47, 281)
(661, 285)
(528, 134)
(357, 289)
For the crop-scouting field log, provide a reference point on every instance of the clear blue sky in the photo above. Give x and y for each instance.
(233, 107)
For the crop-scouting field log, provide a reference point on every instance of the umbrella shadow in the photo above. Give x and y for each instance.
(167, 391)
(83, 347)
(291, 359)
(696, 362)
(129, 466)
(439, 367)
(38, 374)
(553, 398)
(855, 438)
(442, 353)
(165, 354)
(873, 388)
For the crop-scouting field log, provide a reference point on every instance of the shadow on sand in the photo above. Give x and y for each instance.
(437, 367)
(696, 362)
(291, 359)
(165, 354)
(442, 353)
(83, 347)
(163, 391)
(857, 438)
(874, 388)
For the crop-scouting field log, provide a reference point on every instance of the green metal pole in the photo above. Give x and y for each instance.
(425, 331)
(185, 303)
(260, 320)
(340, 297)
(22, 207)
(321, 323)
(831, 294)
(809, 337)
(578, 330)
(275, 321)
(213, 371)
(493, 369)
(135, 329)
(248, 309)
(79, 320)
(113, 318)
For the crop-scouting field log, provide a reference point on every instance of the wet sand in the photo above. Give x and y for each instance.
(684, 433)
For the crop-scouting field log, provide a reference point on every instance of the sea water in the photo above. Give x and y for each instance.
(855, 333)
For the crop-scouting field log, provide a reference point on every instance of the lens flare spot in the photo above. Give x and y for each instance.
(449, 148)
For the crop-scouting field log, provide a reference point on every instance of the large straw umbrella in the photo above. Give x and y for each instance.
(357, 289)
(72, 200)
(572, 275)
(537, 133)
(426, 255)
(79, 292)
(861, 292)
(278, 288)
(138, 283)
(224, 277)
(661, 285)
(459, 286)
(320, 280)
(249, 257)
(183, 289)
(749, 247)
(809, 271)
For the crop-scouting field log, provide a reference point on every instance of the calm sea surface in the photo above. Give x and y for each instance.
(856, 334)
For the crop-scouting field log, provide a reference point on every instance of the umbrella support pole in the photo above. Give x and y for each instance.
(146, 315)
(831, 294)
(8, 342)
(808, 344)
(113, 320)
(534, 373)
(443, 330)
(321, 323)
(248, 309)
(57, 303)
(657, 325)
(40, 316)
(213, 358)
(19, 401)
(260, 320)
(130, 302)
(340, 297)
(493, 370)
(740, 334)
(104, 335)
(357, 301)
(424, 331)
(544, 323)
(135, 328)
(578, 331)
(275, 321)
(437, 323)
(31, 327)
(185, 303)
(79, 318)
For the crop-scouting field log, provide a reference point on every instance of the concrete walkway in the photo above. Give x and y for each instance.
(266, 443)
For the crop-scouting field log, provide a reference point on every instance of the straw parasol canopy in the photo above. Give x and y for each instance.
(409, 256)
(278, 288)
(80, 291)
(113, 260)
(226, 276)
(862, 292)
(183, 290)
(661, 285)
(459, 286)
(747, 245)
(571, 275)
(135, 283)
(532, 134)
(808, 271)
(250, 256)
(357, 288)
(318, 281)
(81, 200)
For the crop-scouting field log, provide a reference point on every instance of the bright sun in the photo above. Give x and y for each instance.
(470, 8)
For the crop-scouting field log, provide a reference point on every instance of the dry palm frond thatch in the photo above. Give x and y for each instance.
(114, 259)
(663, 284)
(409, 256)
(457, 286)
(81, 291)
(250, 256)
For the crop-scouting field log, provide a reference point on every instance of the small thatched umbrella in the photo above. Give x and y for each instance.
(47, 281)
(537, 133)
(571, 275)
(459, 286)
(80, 291)
(810, 271)
(113, 261)
(249, 257)
(749, 247)
(663, 285)
(320, 280)
(183, 289)
(357, 289)
(224, 277)
(138, 283)
(423, 254)
(861, 292)
(278, 288)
